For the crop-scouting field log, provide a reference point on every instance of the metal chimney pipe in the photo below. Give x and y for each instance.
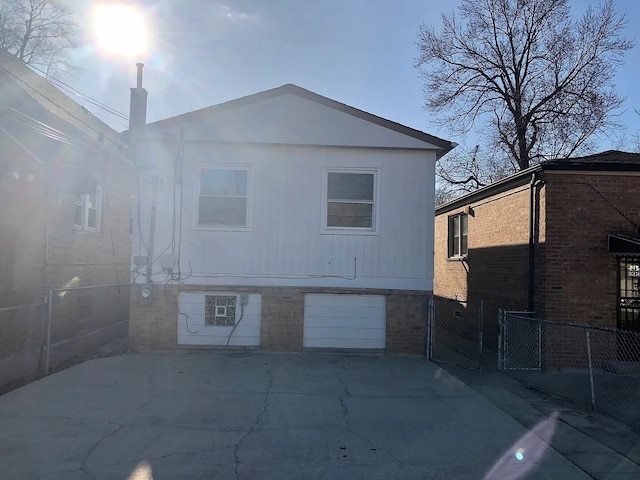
(140, 66)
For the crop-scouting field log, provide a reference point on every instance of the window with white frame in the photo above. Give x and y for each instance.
(458, 235)
(223, 199)
(350, 200)
(87, 211)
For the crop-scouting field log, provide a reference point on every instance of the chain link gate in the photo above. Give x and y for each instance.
(519, 343)
(455, 332)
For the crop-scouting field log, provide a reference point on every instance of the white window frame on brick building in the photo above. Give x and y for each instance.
(458, 236)
(238, 194)
(88, 211)
(334, 196)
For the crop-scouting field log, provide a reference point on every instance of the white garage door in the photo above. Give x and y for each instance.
(344, 321)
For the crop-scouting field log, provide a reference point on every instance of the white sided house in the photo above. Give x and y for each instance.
(282, 220)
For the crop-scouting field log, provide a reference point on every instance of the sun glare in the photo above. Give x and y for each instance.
(120, 29)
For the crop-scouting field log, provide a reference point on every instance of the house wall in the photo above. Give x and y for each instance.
(495, 270)
(285, 245)
(154, 324)
(575, 276)
(286, 120)
(582, 209)
(48, 252)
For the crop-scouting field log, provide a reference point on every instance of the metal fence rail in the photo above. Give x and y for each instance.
(592, 366)
(71, 324)
(455, 332)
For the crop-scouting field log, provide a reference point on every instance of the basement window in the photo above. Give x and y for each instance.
(458, 235)
(220, 310)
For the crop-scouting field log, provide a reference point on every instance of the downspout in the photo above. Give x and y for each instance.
(532, 215)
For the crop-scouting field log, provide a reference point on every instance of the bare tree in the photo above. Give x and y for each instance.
(538, 80)
(41, 33)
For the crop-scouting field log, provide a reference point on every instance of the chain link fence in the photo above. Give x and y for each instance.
(69, 326)
(595, 367)
(455, 332)
(22, 336)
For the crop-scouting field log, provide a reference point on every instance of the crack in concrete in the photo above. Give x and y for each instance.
(339, 374)
(150, 379)
(96, 445)
(346, 415)
(253, 427)
(140, 407)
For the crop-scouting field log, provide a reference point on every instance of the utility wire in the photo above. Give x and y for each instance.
(65, 86)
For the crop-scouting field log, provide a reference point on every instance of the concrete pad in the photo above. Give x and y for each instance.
(265, 416)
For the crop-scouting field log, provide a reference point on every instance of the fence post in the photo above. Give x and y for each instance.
(593, 396)
(480, 333)
(539, 345)
(500, 340)
(430, 323)
(47, 358)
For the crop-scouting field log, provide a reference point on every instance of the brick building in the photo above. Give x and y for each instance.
(65, 192)
(560, 239)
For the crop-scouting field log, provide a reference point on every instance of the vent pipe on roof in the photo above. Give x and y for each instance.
(137, 106)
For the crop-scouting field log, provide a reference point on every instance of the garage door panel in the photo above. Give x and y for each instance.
(345, 321)
(346, 343)
(326, 332)
(352, 300)
(348, 322)
(329, 311)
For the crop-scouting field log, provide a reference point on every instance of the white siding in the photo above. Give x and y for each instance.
(285, 245)
(344, 321)
(293, 120)
(193, 331)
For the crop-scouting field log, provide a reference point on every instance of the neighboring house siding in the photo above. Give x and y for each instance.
(581, 277)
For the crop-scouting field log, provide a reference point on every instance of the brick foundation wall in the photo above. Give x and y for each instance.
(282, 319)
(407, 323)
(154, 325)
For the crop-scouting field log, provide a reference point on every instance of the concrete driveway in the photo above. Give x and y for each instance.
(265, 416)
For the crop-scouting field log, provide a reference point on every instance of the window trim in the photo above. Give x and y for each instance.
(224, 228)
(375, 224)
(85, 212)
(451, 236)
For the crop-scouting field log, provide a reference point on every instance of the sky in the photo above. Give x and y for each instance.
(358, 52)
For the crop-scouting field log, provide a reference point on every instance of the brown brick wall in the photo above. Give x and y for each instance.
(580, 282)
(154, 325)
(496, 269)
(282, 319)
(67, 257)
(407, 323)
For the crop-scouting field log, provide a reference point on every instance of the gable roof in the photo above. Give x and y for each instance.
(444, 145)
(607, 161)
(24, 95)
